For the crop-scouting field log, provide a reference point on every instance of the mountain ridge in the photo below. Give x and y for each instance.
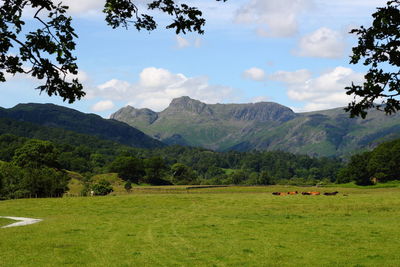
(51, 115)
(264, 126)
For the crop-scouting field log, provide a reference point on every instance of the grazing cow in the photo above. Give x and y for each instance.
(311, 193)
(292, 193)
(331, 193)
(279, 193)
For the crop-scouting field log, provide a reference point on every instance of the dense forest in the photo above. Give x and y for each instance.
(34, 167)
(379, 165)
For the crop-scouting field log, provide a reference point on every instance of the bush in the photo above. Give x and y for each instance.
(128, 186)
(102, 188)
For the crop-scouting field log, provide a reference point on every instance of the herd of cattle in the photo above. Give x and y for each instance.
(305, 193)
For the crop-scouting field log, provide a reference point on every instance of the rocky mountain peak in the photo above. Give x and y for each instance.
(186, 103)
(130, 113)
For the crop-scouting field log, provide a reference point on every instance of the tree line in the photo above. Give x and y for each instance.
(379, 165)
(37, 168)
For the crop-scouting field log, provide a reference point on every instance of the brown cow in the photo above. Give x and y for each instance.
(292, 193)
(305, 193)
(331, 193)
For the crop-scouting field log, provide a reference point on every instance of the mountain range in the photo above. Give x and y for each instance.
(262, 126)
(222, 127)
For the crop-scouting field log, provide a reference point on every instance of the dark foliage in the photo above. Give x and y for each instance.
(36, 154)
(73, 120)
(128, 168)
(18, 182)
(102, 188)
(382, 164)
(379, 48)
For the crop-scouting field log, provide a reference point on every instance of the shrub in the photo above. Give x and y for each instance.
(102, 188)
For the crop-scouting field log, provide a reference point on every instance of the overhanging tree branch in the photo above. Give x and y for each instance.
(379, 48)
(49, 50)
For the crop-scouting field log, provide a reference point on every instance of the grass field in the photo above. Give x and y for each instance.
(232, 226)
(4, 221)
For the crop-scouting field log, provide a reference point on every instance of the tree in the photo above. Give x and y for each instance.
(357, 169)
(182, 174)
(128, 168)
(154, 168)
(47, 52)
(36, 154)
(379, 48)
(384, 161)
(102, 188)
(1, 183)
(265, 178)
(21, 182)
(8, 144)
(238, 177)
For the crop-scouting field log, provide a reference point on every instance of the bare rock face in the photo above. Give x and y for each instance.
(262, 112)
(258, 112)
(185, 103)
(129, 113)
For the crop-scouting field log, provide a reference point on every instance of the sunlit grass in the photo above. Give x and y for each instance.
(232, 226)
(4, 221)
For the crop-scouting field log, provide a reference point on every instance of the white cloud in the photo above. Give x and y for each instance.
(255, 74)
(154, 78)
(258, 99)
(103, 106)
(325, 91)
(91, 7)
(182, 42)
(198, 42)
(82, 77)
(323, 43)
(291, 77)
(185, 42)
(88, 7)
(275, 18)
(157, 87)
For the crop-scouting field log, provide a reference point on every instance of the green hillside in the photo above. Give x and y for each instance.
(262, 126)
(54, 116)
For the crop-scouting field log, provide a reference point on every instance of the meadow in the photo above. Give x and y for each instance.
(229, 226)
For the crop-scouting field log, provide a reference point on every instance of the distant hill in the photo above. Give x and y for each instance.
(54, 116)
(56, 135)
(262, 126)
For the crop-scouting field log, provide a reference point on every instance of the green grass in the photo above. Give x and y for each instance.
(4, 221)
(378, 185)
(231, 226)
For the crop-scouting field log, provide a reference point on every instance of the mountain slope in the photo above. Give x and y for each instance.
(198, 124)
(50, 115)
(262, 126)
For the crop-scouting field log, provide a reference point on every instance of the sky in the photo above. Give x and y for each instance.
(293, 52)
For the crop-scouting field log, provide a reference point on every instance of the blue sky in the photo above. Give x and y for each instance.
(294, 52)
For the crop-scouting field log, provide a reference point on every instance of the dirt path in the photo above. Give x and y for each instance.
(21, 221)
